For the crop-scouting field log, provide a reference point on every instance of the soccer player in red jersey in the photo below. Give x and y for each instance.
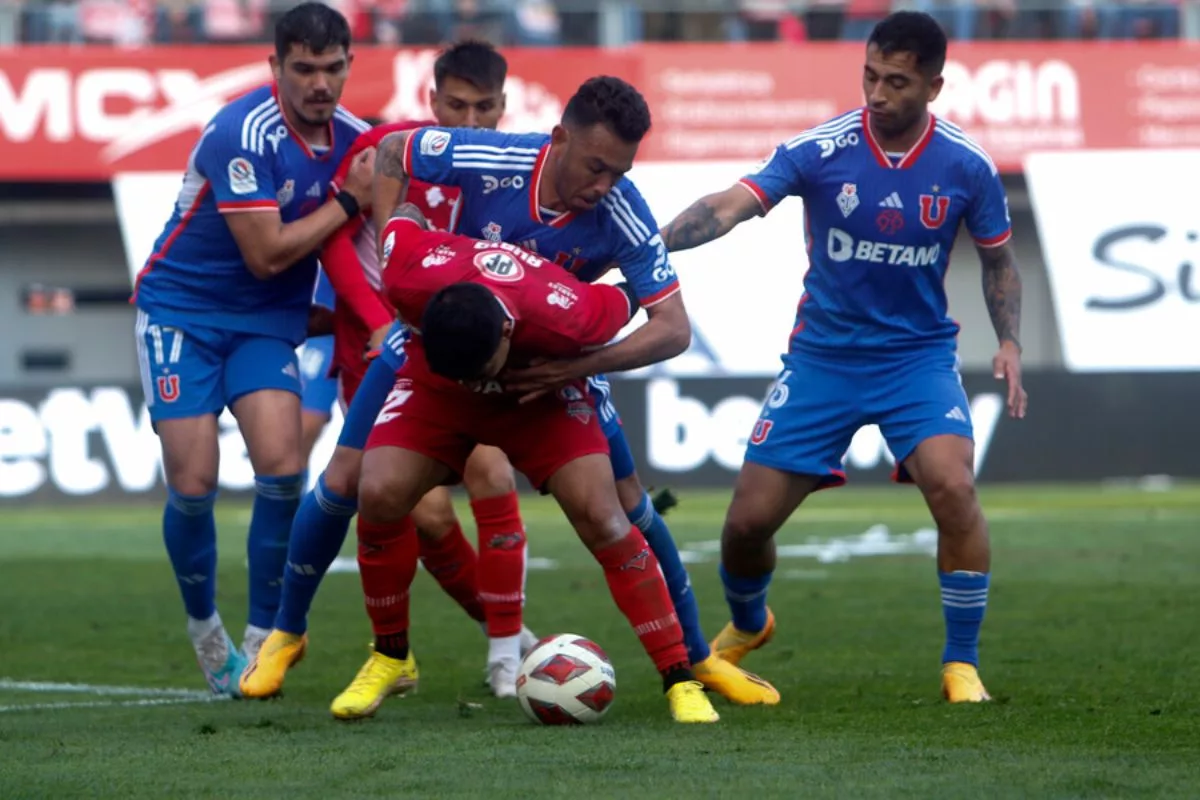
(474, 308)
(469, 92)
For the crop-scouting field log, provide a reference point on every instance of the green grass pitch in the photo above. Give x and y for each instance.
(1091, 649)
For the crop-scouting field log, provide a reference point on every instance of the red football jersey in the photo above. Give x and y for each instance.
(351, 260)
(554, 314)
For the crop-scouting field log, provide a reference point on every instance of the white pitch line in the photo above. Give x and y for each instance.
(165, 701)
(45, 687)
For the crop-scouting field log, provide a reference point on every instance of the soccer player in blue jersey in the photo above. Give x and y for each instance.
(318, 389)
(564, 196)
(885, 189)
(223, 303)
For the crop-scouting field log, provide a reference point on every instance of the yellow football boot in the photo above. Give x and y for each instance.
(735, 684)
(961, 684)
(379, 678)
(280, 652)
(690, 704)
(733, 645)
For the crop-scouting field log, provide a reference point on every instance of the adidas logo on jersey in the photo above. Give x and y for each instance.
(891, 201)
(314, 190)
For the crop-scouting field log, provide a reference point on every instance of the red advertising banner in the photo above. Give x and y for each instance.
(86, 113)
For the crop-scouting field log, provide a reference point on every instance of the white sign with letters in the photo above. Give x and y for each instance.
(1120, 231)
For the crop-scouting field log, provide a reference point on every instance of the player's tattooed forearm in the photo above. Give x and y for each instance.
(389, 157)
(1002, 292)
(697, 225)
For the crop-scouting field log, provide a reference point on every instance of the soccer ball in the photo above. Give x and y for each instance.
(566, 680)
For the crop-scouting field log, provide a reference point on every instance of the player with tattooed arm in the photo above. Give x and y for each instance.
(885, 190)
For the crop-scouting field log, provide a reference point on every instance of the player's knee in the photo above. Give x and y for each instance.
(952, 497)
(381, 499)
(341, 475)
(434, 516)
(193, 484)
(746, 525)
(599, 522)
(630, 493)
(488, 474)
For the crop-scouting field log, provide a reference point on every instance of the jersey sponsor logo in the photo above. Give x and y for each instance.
(241, 176)
(434, 143)
(843, 247)
(276, 136)
(832, 145)
(499, 266)
(440, 255)
(286, 192)
(492, 232)
(847, 199)
(933, 210)
(529, 259)
(561, 295)
(491, 183)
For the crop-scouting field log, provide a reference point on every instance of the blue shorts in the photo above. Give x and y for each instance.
(192, 370)
(319, 391)
(601, 391)
(817, 404)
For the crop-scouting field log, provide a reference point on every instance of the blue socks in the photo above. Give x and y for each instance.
(747, 598)
(658, 536)
(190, 534)
(266, 548)
(964, 601)
(318, 533)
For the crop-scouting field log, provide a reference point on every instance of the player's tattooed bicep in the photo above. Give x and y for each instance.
(696, 225)
(1002, 291)
(389, 156)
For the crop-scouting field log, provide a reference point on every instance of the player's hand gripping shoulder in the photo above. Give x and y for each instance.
(1002, 295)
(710, 217)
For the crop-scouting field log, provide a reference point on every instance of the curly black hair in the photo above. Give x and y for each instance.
(612, 102)
(912, 32)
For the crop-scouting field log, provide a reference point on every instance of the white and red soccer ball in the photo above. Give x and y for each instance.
(566, 680)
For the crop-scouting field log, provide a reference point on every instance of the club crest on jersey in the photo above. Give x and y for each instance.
(491, 232)
(933, 210)
(434, 196)
(762, 429)
(578, 407)
(286, 193)
(241, 176)
(847, 200)
(500, 266)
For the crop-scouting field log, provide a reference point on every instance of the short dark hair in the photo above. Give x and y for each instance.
(912, 32)
(313, 25)
(461, 329)
(611, 102)
(474, 61)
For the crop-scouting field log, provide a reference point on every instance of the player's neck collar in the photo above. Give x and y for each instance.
(910, 157)
(554, 219)
(300, 140)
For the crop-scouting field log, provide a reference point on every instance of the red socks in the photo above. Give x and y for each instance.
(641, 593)
(501, 563)
(452, 563)
(387, 564)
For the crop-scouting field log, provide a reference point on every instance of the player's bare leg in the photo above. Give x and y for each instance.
(763, 499)
(393, 481)
(492, 487)
(270, 424)
(718, 675)
(584, 488)
(943, 468)
(191, 459)
(311, 426)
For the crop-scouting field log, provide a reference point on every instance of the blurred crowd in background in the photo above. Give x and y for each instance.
(581, 22)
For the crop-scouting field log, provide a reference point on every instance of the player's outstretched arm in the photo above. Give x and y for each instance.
(270, 247)
(710, 217)
(391, 178)
(1002, 295)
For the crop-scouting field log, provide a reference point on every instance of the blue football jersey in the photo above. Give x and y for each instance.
(879, 229)
(499, 174)
(247, 159)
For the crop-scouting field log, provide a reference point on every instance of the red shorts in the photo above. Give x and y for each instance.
(444, 421)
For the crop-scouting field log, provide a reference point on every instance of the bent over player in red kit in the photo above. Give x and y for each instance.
(475, 307)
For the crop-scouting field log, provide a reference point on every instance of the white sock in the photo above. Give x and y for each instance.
(200, 629)
(504, 648)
